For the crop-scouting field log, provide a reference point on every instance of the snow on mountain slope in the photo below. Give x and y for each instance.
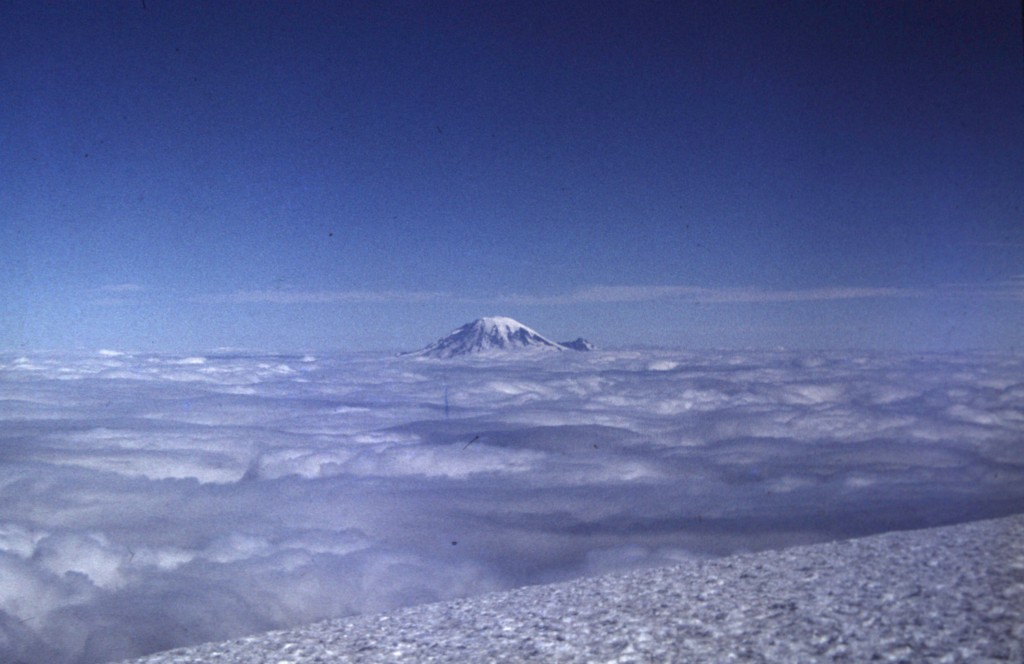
(493, 334)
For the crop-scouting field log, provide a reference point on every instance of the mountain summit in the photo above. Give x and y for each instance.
(489, 335)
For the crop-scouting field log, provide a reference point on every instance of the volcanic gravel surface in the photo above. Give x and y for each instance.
(950, 594)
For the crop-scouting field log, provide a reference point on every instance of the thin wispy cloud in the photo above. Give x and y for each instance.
(1001, 243)
(1012, 288)
(317, 297)
(1004, 289)
(121, 288)
(116, 295)
(622, 294)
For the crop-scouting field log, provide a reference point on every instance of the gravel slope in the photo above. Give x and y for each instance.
(952, 594)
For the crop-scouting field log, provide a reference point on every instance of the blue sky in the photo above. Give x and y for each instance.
(185, 176)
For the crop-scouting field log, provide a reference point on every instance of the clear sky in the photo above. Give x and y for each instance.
(303, 175)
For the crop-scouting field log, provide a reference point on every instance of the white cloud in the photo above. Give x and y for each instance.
(90, 554)
(149, 501)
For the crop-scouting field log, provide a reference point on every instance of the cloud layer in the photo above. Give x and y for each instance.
(149, 501)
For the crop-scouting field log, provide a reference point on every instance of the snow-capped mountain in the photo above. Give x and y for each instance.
(489, 335)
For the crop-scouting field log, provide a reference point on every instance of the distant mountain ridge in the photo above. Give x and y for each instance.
(495, 335)
(578, 344)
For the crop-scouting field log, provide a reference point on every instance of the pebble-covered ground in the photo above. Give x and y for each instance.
(952, 594)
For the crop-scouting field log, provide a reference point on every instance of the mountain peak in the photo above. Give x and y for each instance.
(498, 322)
(492, 334)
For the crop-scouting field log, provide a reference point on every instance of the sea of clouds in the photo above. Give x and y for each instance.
(154, 501)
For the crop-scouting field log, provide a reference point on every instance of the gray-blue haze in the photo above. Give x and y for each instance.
(154, 501)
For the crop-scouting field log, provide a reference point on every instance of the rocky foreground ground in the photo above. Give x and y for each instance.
(950, 594)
